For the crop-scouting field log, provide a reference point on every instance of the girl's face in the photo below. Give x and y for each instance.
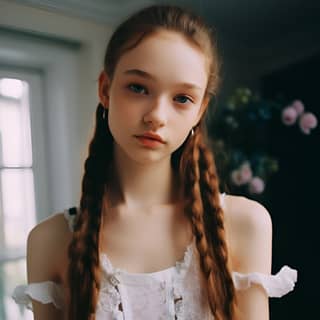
(158, 87)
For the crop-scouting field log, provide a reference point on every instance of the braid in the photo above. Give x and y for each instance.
(215, 229)
(83, 252)
(203, 209)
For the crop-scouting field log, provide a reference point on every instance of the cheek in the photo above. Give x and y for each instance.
(180, 130)
(188, 119)
(122, 111)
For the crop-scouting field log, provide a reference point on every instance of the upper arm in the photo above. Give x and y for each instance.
(252, 249)
(44, 249)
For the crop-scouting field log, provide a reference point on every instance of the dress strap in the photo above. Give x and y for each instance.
(70, 215)
(222, 199)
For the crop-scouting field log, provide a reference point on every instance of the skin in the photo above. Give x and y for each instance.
(159, 104)
(146, 216)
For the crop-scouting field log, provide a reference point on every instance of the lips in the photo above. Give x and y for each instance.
(151, 136)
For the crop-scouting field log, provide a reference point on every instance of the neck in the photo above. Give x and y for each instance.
(137, 185)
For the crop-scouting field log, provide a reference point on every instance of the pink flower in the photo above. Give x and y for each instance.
(256, 185)
(307, 121)
(245, 172)
(242, 175)
(298, 105)
(236, 178)
(289, 115)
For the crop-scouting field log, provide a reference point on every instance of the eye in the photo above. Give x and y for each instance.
(137, 88)
(183, 99)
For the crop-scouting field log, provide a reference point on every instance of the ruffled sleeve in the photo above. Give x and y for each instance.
(276, 286)
(44, 292)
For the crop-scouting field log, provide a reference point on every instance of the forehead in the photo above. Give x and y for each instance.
(167, 55)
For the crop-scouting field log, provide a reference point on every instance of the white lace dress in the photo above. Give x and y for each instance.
(174, 293)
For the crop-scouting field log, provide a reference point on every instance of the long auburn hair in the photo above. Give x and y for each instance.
(193, 160)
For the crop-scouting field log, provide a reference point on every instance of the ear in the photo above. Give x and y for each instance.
(202, 109)
(104, 86)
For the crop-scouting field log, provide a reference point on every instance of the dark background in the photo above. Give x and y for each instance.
(293, 192)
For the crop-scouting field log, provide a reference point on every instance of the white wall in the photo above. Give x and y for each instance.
(70, 88)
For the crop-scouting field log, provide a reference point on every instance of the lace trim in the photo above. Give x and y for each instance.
(179, 270)
(171, 290)
(110, 299)
(275, 285)
(44, 292)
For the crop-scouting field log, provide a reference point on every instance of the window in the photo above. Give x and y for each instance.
(46, 145)
(17, 191)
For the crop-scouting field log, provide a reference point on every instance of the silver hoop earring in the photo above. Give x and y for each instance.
(104, 113)
(192, 132)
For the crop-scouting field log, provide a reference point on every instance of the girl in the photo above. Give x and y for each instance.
(153, 238)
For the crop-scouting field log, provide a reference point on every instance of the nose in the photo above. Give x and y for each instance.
(156, 115)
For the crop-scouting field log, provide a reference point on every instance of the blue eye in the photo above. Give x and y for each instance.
(184, 99)
(137, 88)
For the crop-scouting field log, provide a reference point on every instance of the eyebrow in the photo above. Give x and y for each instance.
(147, 75)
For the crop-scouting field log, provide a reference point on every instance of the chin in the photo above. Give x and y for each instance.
(143, 156)
(146, 158)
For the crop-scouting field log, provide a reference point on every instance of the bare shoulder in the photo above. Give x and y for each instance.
(46, 249)
(246, 215)
(249, 226)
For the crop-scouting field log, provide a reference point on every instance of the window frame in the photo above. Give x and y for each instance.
(38, 136)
